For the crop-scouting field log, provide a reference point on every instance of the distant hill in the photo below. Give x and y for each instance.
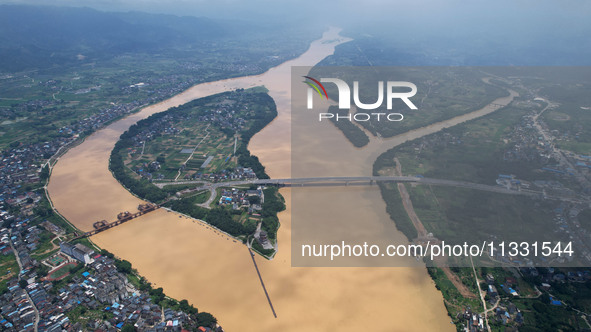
(38, 37)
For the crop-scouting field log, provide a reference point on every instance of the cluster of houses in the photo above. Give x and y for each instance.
(98, 288)
(499, 293)
(250, 199)
(25, 239)
(526, 144)
(473, 321)
(20, 166)
(238, 173)
(161, 86)
(224, 114)
(17, 313)
(505, 312)
(568, 232)
(551, 275)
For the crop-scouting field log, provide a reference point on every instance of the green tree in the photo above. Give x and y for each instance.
(23, 283)
(128, 328)
(206, 319)
(123, 266)
(44, 175)
(105, 253)
(254, 199)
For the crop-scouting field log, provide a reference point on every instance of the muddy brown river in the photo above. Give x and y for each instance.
(192, 261)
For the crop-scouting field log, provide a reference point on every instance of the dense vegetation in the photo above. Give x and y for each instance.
(353, 133)
(245, 159)
(395, 209)
(222, 218)
(273, 204)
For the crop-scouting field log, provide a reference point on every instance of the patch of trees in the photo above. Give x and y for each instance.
(206, 319)
(218, 217)
(128, 328)
(354, 134)
(123, 266)
(222, 219)
(397, 212)
(386, 160)
(142, 188)
(44, 175)
(245, 159)
(273, 204)
(188, 308)
(107, 254)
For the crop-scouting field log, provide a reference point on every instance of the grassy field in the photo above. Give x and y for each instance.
(457, 214)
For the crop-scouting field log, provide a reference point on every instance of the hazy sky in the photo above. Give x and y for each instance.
(512, 24)
(343, 9)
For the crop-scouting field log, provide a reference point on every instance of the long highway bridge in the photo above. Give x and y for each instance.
(347, 181)
(314, 182)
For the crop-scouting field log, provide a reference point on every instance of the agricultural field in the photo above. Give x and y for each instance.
(195, 144)
(201, 141)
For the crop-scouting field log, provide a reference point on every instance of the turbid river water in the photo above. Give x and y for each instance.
(191, 261)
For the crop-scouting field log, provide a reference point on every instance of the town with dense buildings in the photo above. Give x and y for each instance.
(74, 288)
(77, 279)
(50, 284)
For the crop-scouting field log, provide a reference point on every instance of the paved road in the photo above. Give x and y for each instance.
(351, 181)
